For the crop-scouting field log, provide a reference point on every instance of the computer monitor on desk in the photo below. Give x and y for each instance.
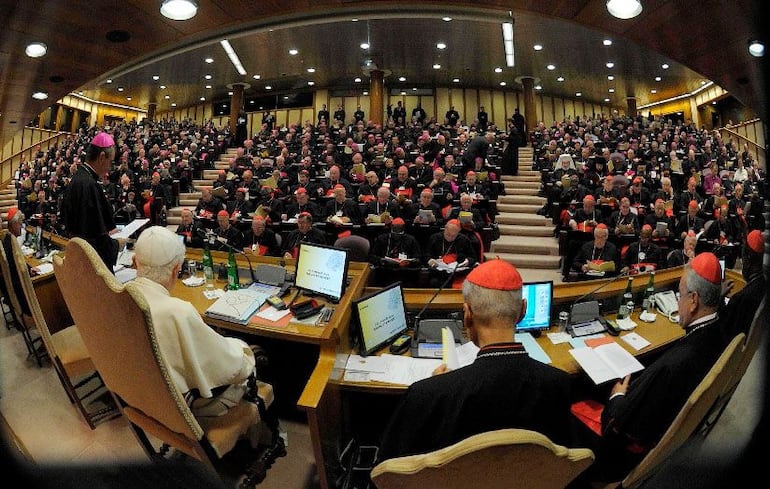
(322, 270)
(380, 318)
(539, 296)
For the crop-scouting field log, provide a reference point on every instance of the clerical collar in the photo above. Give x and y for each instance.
(89, 169)
(701, 323)
(501, 349)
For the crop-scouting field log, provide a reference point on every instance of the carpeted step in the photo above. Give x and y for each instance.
(521, 199)
(522, 178)
(524, 231)
(525, 245)
(523, 219)
(548, 262)
(514, 186)
(521, 208)
(202, 183)
(173, 220)
(188, 202)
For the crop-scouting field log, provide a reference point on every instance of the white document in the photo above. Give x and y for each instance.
(272, 314)
(449, 349)
(466, 353)
(125, 275)
(44, 268)
(369, 364)
(606, 362)
(130, 229)
(533, 349)
(636, 341)
(405, 370)
(237, 305)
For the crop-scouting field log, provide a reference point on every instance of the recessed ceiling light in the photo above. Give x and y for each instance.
(610, 77)
(209, 60)
(402, 78)
(173, 104)
(208, 87)
(455, 80)
(311, 70)
(311, 83)
(538, 87)
(129, 98)
(203, 99)
(293, 51)
(498, 70)
(257, 77)
(436, 66)
(120, 89)
(163, 87)
(268, 87)
(607, 42)
(155, 77)
(624, 9)
(714, 102)
(229, 94)
(657, 78)
(502, 84)
(446, 19)
(610, 64)
(606, 100)
(551, 67)
(611, 90)
(403, 92)
(179, 9)
(80, 92)
(560, 79)
(40, 95)
(36, 49)
(653, 91)
(208, 77)
(357, 80)
(703, 82)
(441, 45)
(167, 97)
(108, 80)
(578, 94)
(538, 47)
(414, 89)
(664, 66)
(756, 49)
(364, 45)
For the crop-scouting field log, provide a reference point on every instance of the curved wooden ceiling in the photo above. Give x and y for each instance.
(703, 40)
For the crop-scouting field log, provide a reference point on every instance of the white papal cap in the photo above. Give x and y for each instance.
(157, 246)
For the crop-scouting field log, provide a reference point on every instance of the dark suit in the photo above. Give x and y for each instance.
(502, 388)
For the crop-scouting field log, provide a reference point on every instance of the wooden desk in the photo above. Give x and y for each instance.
(329, 398)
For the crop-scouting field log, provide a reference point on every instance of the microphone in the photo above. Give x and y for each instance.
(448, 279)
(602, 285)
(211, 238)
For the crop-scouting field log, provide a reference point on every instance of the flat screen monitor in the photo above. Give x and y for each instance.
(322, 270)
(380, 318)
(539, 296)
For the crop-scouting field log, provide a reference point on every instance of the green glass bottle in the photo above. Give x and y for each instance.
(649, 292)
(628, 295)
(208, 265)
(232, 272)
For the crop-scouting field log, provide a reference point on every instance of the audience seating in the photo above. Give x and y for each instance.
(496, 459)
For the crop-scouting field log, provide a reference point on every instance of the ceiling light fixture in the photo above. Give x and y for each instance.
(364, 45)
(155, 77)
(311, 70)
(657, 78)
(455, 80)
(610, 77)
(538, 87)
(36, 49)
(293, 51)
(311, 83)
(179, 9)
(268, 87)
(173, 104)
(560, 79)
(209, 60)
(508, 43)
(578, 94)
(610, 64)
(163, 87)
(502, 84)
(538, 47)
(203, 99)
(607, 42)
(624, 9)
(551, 67)
(366, 92)
(40, 95)
(606, 100)
(664, 66)
(234, 59)
(257, 77)
(402, 78)
(498, 70)
(208, 87)
(756, 49)
(441, 45)
(436, 66)
(446, 19)
(357, 80)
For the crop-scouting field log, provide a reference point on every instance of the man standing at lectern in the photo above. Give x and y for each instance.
(502, 388)
(87, 212)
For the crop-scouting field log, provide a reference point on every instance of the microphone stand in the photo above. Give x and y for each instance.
(438, 291)
(601, 286)
(210, 237)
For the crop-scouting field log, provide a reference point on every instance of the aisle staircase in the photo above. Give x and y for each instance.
(526, 238)
(7, 200)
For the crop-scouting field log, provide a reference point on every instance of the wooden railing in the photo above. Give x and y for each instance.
(32, 138)
(752, 133)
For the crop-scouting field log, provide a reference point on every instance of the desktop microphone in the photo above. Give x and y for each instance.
(211, 238)
(417, 317)
(601, 286)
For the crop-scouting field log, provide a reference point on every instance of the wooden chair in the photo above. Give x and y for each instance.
(753, 340)
(68, 354)
(496, 459)
(117, 327)
(18, 313)
(690, 416)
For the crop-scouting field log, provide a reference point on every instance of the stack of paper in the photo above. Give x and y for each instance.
(237, 306)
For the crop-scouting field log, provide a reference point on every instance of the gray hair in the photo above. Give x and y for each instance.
(488, 304)
(708, 292)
